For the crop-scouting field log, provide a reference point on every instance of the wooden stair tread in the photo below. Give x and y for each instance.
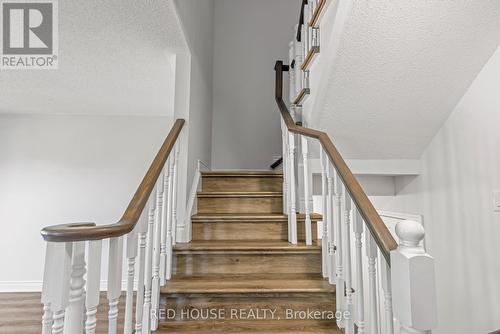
(251, 327)
(248, 284)
(241, 174)
(262, 246)
(253, 217)
(240, 194)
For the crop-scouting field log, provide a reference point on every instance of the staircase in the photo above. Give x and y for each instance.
(239, 269)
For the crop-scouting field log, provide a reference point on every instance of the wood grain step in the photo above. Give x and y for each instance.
(248, 227)
(252, 217)
(245, 257)
(241, 173)
(240, 202)
(244, 246)
(252, 327)
(249, 284)
(242, 181)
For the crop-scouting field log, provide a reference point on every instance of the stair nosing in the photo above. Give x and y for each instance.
(250, 174)
(239, 194)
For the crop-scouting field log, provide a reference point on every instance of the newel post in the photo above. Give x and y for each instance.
(413, 281)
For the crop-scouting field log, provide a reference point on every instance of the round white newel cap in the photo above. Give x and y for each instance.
(410, 233)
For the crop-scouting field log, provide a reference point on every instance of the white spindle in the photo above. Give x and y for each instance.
(164, 215)
(114, 281)
(74, 320)
(129, 302)
(142, 230)
(293, 210)
(291, 73)
(93, 285)
(339, 218)
(324, 235)
(413, 281)
(155, 284)
(305, 31)
(360, 298)
(169, 238)
(332, 267)
(372, 253)
(386, 287)
(347, 262)
(298, 63)
(59, 281)
(309, 28)
(48, 276)
(286, 201)
(146, 318)
(174, 195)
(307, 192)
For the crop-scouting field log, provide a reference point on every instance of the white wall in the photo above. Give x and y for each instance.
(194, 93)
(461, 169)
(58, 169)
(249, 37)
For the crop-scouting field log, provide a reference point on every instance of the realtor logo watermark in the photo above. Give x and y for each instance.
(29, 34)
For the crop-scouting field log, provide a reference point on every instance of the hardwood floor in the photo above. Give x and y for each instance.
(21, 313)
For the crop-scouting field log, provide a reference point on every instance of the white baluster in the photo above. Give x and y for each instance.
(59, 281)
(349, 329)
(360, 298)
(174, 195)
(93, 285)
(74, 320)
(164, 213)
(291, 72)
(307, 192)
(169, 238)
(146, 318)
(293, 197)
(298, 63)
(114, 281)
(386, 287)
(284, 150)
(286, 174)
(129, 302)
(155, 284)
(142, 230)
(413, 281)
(339, 210)
(324, 236)
(51, 263)
(372, 253)
(305, 32)
(332, 267)
(47, 318)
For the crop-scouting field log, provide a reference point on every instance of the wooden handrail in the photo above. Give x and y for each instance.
(89, 231)
(379, 231)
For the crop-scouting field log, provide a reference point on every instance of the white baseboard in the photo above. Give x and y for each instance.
(36, 286)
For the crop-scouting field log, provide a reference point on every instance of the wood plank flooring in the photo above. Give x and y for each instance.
(21, 313)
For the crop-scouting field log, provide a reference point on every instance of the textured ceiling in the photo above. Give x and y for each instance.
(112, 60)
(399, 70)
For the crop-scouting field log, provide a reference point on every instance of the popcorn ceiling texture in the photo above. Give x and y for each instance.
(113, 59)
(399, 70)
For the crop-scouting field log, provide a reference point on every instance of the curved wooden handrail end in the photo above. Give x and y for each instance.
(91, 231)
(374, 222)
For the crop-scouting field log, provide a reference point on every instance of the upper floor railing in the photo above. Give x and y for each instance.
(72, 274)
(392, 287)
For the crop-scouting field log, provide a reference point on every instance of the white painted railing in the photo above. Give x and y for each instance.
(353, 261)
(379, 289)
(140, 260)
